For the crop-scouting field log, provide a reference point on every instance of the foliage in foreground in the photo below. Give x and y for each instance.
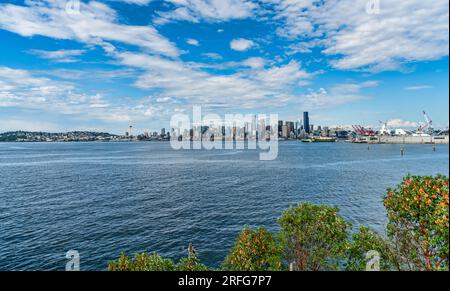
(359, 247)
(254, 250)
(418, 213)
(154, 262)
(313, 236)
(142, 262)
(316, 237)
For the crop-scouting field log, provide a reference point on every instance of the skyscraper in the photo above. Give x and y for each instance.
(280, 127)
(284, 131)
(290, 127)
(306, 121)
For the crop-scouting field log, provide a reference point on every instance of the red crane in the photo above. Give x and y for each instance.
(363, 131)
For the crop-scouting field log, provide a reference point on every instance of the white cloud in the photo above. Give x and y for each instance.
(418, 87)
(59, 56)
(403, 31)
(21, 89)
(95, 24)
(255, 63)
(336, 95)
(397, 123)
(213, 56)
(241, 44)
(193, 42)
(207, 10)
(256, 88)
(34, 125)
(251, 83)
(100, 75)
(281, 76)
(303, 48)
(137, 2)
(164, 99)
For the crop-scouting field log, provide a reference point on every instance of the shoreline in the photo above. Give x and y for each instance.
(440, 142)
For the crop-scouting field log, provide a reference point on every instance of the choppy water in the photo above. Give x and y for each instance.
(106, 198)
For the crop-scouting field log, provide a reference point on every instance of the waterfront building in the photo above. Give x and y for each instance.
(306, 122)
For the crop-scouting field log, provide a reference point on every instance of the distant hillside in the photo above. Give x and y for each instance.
(14, 136)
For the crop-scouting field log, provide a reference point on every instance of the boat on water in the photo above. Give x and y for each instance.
(324, 139)
(319, 139)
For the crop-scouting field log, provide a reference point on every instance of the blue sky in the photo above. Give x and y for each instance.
(103, 65)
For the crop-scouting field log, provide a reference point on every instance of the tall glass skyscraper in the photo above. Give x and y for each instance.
(306, 122)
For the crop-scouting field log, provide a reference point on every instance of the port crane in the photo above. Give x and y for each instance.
(363, 131)
(428, 124)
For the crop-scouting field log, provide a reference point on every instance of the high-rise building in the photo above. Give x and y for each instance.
(163, 132)
(254, 126)
(261, 129)
(284, 131)
(280, 127)
(306, 121)
(326, 131)
(247, 129)
(290, 127)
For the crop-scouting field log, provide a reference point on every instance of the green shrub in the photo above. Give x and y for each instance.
(154, 262)
(142, 262)
(363, 242)
(419, 222)
(191, 263)
(313, 237)
(254, 250)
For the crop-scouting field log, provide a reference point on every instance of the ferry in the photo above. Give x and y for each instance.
(319, 139)
(324, 139)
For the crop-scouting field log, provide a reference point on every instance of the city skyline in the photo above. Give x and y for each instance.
(112, 64)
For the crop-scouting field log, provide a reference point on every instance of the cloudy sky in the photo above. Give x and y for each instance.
(103, 65)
